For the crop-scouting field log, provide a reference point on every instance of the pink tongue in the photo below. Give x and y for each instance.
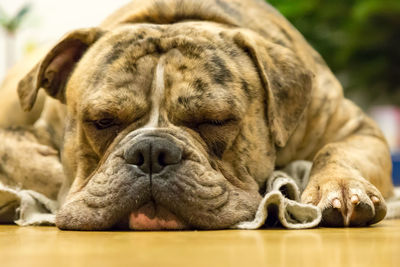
(153, 217)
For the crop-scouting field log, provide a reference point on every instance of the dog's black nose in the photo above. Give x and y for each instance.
(152, 154)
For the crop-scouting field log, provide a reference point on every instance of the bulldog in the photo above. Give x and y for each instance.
(172, 114)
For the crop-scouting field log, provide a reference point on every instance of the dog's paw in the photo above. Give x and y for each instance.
(346, 202)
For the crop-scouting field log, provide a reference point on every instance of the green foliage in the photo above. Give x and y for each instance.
(359, 39)
(12, 24)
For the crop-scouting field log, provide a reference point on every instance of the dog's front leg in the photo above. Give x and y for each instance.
(351, 172)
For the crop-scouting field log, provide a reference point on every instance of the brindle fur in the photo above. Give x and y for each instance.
(244, 94)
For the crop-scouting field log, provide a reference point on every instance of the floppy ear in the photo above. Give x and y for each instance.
(53, 71)
(286, 80)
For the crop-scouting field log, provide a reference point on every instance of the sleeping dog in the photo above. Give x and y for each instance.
(172, 114)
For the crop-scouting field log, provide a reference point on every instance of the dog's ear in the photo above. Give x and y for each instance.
(52, 72)
(286, 80)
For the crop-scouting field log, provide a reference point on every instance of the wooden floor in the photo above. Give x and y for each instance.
(376, 246)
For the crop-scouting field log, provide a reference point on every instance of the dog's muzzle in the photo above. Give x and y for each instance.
(152, 155)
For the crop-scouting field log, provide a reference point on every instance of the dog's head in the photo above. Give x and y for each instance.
(169, 126)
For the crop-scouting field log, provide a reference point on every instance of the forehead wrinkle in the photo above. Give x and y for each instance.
(119, 103)
(193, 93)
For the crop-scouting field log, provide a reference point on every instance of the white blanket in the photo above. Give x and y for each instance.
(26, 207)
(282, 200)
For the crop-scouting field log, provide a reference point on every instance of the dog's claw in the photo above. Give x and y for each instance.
(336, 204)
(375, 199)
(355, 199)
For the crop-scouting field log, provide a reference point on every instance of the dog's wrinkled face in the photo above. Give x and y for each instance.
(166, 130)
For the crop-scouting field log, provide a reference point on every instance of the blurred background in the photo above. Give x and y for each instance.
(359, 39)
(26, 25)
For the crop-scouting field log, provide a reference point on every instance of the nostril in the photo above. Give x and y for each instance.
(161, 159)
(164, 156)
(139, 159)
(169, 156)
(136, 158)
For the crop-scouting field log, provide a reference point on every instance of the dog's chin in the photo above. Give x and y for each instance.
(152, 216)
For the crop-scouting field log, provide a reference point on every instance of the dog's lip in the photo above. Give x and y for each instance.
(152, 216)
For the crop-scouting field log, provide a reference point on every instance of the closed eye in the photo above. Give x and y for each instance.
(218, 134)
(104, 123)
(218, 122)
